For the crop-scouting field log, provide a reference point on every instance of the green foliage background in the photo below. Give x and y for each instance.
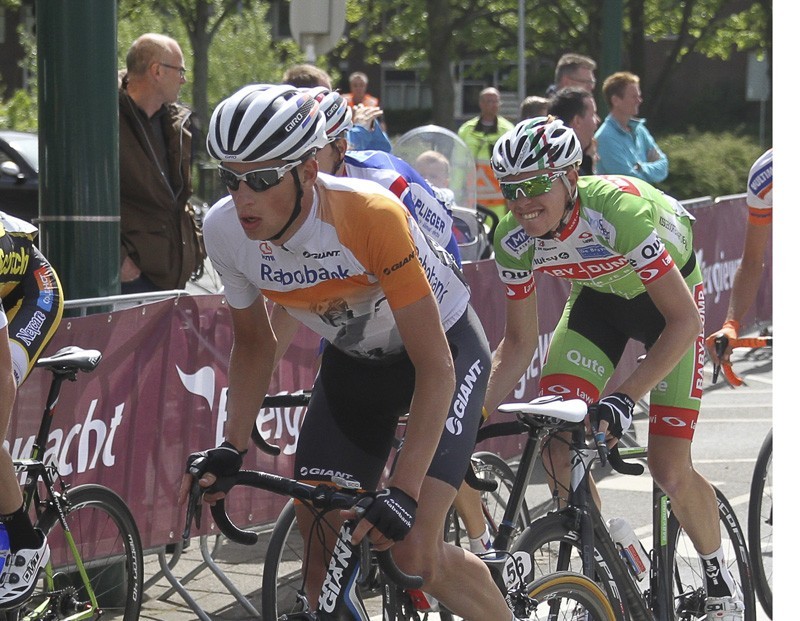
(708, 164)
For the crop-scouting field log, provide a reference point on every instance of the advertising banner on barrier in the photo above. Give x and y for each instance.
(161, 388)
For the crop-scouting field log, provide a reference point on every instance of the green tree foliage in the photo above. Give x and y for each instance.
(227, 44)
(439, 32)
(707, 164)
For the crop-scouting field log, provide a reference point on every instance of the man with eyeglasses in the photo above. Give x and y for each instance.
(346, 258)
(573, 70)
(626, 248)
(161, 246)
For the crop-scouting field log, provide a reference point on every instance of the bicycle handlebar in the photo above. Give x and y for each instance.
(619, 464)
(299, 398)
(721, 343)
(322, 496)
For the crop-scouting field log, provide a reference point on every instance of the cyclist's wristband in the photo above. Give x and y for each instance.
(227, 444)
(732, 323)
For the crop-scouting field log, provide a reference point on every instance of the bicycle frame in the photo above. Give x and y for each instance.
(34, 469)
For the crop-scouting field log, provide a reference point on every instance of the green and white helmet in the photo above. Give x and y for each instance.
(540, 143)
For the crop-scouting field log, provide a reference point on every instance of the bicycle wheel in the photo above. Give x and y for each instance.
(553, 533)
(282, 588)
(685, 570)
(568, 595)
(759, 525)
(110, 549)
(492, 467)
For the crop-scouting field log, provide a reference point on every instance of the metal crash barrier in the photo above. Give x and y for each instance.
(161, 389)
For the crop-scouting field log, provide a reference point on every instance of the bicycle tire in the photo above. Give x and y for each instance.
(543, 540)
(759, 525)
(567, 595)
(685, 572)
(109, 545)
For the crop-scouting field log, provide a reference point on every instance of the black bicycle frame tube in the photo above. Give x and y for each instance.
(517, 495)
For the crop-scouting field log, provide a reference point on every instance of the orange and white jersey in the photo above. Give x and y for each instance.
(759, 190)
(358, 256)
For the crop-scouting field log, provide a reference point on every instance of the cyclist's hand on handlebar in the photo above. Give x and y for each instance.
(388, 517)
(729, 329)
(612, 414)
(209, 466)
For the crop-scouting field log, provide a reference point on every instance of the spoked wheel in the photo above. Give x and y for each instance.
(107, 541)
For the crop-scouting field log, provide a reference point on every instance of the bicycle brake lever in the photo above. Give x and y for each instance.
(720, 345)
(600, 443)
(194, 508)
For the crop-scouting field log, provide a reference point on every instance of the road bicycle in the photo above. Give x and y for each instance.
(96, 563)
(759, 512)
(565, 595)
(575, 537)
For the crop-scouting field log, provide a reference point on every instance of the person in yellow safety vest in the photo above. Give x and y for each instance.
(480, 134)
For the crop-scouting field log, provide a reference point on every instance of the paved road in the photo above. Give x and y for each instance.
(732, 426)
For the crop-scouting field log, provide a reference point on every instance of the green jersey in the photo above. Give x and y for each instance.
(622, 234)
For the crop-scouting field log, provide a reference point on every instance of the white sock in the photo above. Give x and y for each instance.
(481, 544)
(716, 576)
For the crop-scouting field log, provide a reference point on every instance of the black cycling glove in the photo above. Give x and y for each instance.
(616, 409)
(223, 461)
(392, 512)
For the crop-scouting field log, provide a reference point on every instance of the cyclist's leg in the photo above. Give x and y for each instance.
(347, 433)
(455, 577)
(581, 358)
(468, 506)
(674, 408)
(33, 310)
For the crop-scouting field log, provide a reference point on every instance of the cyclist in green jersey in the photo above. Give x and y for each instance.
(627, 250)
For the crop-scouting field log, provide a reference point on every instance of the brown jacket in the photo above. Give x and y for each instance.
(159, 232)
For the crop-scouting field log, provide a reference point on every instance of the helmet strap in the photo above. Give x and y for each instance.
(296, 210)
(340, 159)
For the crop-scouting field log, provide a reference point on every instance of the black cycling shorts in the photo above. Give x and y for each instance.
(355, 405)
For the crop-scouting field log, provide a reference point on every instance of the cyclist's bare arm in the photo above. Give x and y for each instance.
(420, 328)
(251, 364)
(285, 327)
(673, 299)
(514, 354)
(746, 283)
(10, 495)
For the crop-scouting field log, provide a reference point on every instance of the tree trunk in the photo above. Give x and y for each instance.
(440, 54)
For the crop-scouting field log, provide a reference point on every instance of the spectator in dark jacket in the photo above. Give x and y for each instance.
(161, 245)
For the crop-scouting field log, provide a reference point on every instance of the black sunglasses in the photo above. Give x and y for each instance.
(259, 180)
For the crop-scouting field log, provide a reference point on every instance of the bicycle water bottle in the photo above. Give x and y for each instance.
(630, 548)
(5, 547)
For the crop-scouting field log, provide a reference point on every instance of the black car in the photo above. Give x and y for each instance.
(19, 174)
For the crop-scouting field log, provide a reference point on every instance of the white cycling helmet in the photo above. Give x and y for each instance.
(536, 144)
(262, 122)
(338, 116)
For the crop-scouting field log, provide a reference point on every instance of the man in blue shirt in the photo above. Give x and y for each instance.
(624, 145)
